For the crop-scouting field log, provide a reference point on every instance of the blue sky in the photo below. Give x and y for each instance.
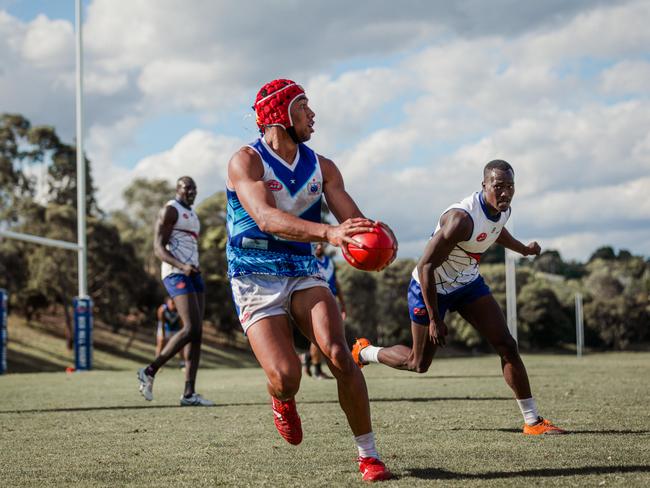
(410, 102)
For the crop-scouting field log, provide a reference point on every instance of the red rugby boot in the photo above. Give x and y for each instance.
(287, 420)
(373, 469)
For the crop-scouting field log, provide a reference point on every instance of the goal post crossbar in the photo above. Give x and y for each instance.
(45, 241)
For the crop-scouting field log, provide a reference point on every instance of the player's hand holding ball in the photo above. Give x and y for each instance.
(377, 249)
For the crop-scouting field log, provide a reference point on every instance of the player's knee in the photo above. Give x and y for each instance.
(285, 383)
(341, 358)
(507, 348)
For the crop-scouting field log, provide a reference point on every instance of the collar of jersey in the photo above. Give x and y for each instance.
(291, 167)
(182, 204)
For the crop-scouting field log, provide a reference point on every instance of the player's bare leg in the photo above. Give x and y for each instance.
(193, 348)
(271, 339)
(485, 315)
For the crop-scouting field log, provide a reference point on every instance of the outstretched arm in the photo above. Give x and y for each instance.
(245, 173)
(507, 240)
(455, 226)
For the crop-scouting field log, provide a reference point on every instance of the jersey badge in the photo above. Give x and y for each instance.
(481, 237)
(274, 185)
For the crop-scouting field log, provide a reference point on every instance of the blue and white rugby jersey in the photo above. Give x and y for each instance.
(297, 189)
(461, 266)
(328, 272)
(184, 240)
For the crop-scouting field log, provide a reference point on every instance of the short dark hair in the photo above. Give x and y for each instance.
(184, 179)
(499, 164)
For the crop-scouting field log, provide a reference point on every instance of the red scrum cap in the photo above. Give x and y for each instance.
(273, 103)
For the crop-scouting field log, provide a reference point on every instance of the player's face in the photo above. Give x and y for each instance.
(498, 189)
(303, 119)
(186, 192)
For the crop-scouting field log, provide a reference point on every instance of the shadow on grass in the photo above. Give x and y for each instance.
(20, 362)
(441, 474)
(306, 402)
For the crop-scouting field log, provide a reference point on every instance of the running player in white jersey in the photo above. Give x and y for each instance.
(312, 359)
(447, 278)
(176, 244)
(275, 187)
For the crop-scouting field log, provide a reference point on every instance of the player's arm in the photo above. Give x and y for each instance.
(167, 217)
(245, 173)
(455, 226)
(507, 240)
(341, 203)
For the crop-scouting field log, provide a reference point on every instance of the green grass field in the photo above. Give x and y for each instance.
(454, 426)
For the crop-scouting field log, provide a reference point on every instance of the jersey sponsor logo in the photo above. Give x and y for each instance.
(481, 237)
(185, 216)
(274, 185)
(314, 187)
(419, 311)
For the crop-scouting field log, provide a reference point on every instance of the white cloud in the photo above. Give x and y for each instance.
(420, 100)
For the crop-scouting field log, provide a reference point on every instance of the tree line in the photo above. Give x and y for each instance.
(123, 274)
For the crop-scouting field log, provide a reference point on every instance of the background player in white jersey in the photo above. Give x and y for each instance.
(312, 359)
(275, 187)
(447, 278)
(176, 244)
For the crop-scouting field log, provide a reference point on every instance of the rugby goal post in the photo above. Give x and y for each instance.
(83, 323)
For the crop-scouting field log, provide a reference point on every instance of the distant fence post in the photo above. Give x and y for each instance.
(3, 330)
(83, 334)
(580, 330)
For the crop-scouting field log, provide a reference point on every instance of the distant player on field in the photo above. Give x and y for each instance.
(274, 187)
(168, 322)
(312, 359)
(176, 244)
(447, 278)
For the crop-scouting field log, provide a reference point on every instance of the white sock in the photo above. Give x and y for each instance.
(528, 409)
(366, 445)
(369, 354)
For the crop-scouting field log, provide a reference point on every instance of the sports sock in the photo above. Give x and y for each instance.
(366, 445)
(317, 369)
(150, 371)
(528, 409)
(370, 354)
(189, 389)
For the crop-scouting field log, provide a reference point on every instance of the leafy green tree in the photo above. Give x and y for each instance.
(143, 200)
(541, 318)
(393, 324)
(359, 289)
(219, 308)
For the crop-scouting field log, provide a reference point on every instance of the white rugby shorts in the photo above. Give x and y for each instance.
(260, 296)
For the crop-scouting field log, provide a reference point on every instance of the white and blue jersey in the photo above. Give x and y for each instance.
(328, 272)
(297, 189)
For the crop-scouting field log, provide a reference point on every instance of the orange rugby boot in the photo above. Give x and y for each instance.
(287, 420)
(543, 427)
(373, 469)
(359, 344)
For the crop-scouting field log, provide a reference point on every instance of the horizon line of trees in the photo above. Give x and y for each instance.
(124, 274)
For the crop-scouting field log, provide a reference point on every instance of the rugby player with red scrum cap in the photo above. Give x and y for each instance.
(274, 187)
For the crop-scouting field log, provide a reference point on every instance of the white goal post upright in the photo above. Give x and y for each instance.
(83, 320)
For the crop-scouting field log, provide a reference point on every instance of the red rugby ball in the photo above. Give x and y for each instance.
(379, 250)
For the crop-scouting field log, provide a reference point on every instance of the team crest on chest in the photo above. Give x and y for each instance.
(314, 187)
(481, 237)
